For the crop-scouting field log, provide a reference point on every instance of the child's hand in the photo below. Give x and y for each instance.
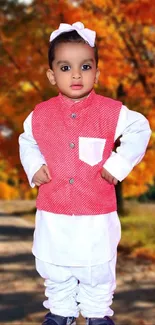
(108, 177)
(42, 176)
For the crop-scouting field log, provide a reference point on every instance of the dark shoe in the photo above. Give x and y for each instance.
(51, 319)
(100, 321)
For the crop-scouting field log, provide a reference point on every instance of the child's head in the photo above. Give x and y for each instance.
(68, 37)
(73, 61)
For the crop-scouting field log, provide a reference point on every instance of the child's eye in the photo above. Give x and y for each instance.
(86, 67)
(65, 68)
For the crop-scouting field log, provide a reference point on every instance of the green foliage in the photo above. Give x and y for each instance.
(138, 228)
(149, 195)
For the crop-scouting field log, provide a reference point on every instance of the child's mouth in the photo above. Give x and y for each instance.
(76, 87)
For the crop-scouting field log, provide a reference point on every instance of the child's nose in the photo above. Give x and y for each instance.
(76, 74)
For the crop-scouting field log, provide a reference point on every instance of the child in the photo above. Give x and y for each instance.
(66, 150)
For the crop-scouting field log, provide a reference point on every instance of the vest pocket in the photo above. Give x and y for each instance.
(91, 150)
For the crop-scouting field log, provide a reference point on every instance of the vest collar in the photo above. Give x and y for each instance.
(67, 103)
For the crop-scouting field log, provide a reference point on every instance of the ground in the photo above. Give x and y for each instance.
(22, 290)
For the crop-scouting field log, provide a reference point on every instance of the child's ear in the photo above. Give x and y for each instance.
(97, 76)
(51, 77)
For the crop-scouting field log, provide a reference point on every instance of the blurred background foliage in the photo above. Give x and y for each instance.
(126, 40)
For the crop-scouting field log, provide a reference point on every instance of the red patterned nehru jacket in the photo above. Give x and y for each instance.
(76, 138)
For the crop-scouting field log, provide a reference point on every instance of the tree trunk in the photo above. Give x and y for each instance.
(120, 200)
(119, 191)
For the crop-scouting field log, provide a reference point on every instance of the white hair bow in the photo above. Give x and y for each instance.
(87, 34)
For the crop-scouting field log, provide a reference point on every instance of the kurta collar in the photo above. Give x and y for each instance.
(67, 103)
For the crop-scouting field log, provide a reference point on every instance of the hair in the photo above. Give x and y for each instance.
(67, 37)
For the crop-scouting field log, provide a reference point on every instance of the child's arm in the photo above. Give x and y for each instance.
(134, 132)
(42, 176)
(108, 177)
(32, 160)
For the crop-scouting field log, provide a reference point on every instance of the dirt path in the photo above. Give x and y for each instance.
(22, 291)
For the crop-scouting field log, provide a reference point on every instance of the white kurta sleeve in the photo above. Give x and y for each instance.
(135, 133)
(30, 155)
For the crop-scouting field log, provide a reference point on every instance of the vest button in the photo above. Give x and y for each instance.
(73, 115)
(71, 181)
(72, 145)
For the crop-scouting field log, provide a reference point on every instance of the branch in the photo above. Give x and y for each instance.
(18, 68)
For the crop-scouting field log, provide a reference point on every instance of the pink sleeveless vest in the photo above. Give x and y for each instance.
(76, 138)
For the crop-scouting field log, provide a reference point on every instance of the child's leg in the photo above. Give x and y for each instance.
(61, 289)
(96, 290)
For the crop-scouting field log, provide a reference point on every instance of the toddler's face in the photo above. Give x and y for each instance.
(74, 70)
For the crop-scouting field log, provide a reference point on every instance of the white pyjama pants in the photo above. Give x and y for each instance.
(74, 290)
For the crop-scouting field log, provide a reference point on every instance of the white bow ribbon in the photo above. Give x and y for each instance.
(87, 34)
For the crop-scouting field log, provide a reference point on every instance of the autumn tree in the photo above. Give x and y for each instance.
(24, 37)
(125, 37)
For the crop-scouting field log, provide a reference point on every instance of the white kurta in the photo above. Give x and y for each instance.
(84, 240)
